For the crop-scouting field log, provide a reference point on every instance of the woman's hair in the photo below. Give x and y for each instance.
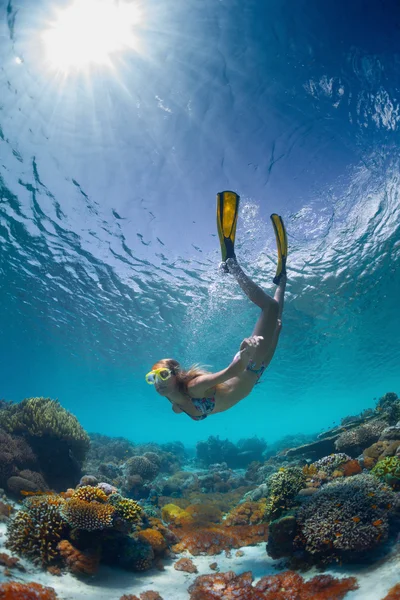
(184, 376)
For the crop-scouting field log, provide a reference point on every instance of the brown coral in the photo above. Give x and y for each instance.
(186, 565)
(285, 586)
(394, 593)
(26, 591)
(150, 595)
(214, 540)
(78, 562)
(247, 513)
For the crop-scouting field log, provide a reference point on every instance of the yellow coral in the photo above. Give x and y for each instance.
(155, 539)
(176, 516)
(127, 509)
(90, 493)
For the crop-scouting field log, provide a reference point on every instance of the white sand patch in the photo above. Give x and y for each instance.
(111, 583)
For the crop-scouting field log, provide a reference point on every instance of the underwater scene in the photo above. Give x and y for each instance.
(200, 282)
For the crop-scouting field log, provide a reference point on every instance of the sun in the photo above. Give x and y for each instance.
(89, 32)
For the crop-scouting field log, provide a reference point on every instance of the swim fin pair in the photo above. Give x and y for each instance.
(227, 214)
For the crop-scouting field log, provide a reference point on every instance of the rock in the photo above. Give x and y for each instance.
(16, 485)
(391, 433)
(317, 449)
(281, 535)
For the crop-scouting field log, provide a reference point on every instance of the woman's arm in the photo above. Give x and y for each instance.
(198, 386)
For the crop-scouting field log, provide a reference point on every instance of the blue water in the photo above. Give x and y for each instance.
(109, 255)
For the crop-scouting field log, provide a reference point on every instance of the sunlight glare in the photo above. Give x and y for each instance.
(89, 31)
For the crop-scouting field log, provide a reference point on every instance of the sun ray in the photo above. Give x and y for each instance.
(90, 32)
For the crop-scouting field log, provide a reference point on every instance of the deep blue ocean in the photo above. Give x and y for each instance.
(109, 251)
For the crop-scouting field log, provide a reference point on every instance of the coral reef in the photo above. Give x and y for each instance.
(354, 441)
(155, 539)
(214, 540)
(283, 488)
(89, 516)
(247, 513)
(77, 561)
(126, 509)
(26, 591)
(186, 565)
(389, 470)
(344, 519)
(285, 586)
(15, 454)
(54, 434)
(89, 493)
(142, 466)
(394, 593)
(37, 529)
(240, 455)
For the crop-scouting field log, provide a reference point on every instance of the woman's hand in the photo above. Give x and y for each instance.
(248, 349)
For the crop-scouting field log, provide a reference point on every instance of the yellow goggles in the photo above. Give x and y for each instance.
(158, 374)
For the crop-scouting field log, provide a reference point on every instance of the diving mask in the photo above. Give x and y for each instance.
(157, 375)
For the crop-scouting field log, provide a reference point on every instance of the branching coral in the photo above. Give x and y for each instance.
(26, 591)
(89, 516)
(37, 528)
(285, 586)
(388, 470)
(283, 487)
(344, 519)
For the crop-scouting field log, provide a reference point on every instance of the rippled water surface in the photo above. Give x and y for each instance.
(109, 254)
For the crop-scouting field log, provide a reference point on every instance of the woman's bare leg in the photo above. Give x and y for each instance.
(266, 325)
(251, 289)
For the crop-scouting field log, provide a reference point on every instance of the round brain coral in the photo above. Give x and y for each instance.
(140, 465)
(344, 519)
(37, 528)
(89, 516)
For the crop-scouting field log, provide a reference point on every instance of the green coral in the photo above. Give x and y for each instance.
(126, 509)
(283, 487)
(41, 417)
(388, 469)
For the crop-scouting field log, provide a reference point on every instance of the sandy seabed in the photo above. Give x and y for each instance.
(110, 583)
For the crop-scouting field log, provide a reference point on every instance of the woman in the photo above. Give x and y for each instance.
(199, 393)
